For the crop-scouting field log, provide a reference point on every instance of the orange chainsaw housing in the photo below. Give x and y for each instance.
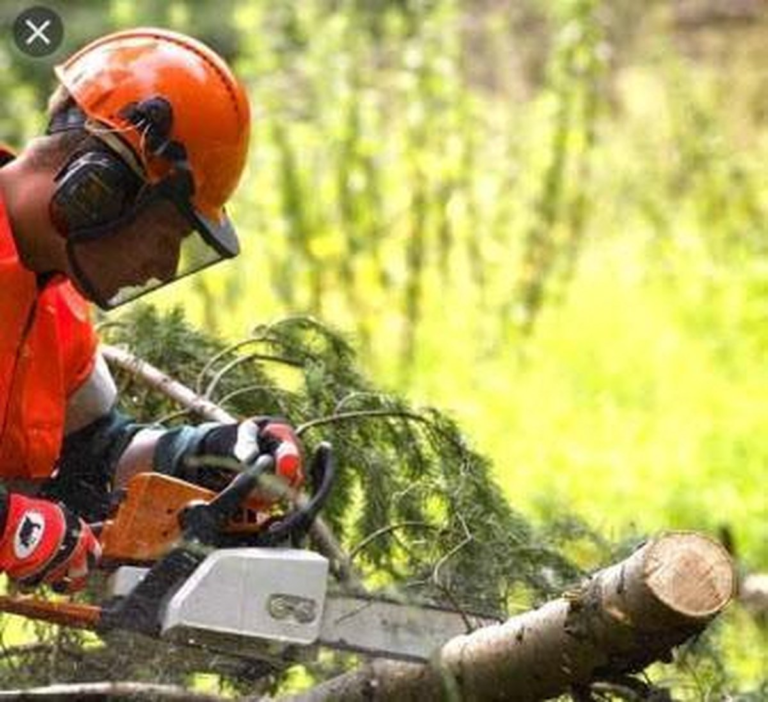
(146, 525)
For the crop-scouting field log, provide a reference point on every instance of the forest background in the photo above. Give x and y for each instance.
(547, 218)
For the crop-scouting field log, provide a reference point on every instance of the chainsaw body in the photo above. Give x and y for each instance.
(217, 570)
(273, 603)
(254, 601)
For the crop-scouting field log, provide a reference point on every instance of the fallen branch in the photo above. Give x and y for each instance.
(621, 620)
(157, 380)
(108, 691)
(154, 378)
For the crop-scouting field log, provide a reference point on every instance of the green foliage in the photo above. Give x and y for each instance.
(555, 236)
(434, 176)
(414, 502)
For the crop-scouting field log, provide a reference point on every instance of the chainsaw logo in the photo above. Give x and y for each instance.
(29, 534)
(300, 609)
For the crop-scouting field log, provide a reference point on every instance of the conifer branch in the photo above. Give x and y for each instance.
(387, 530)
(190, 400)
(358, 414)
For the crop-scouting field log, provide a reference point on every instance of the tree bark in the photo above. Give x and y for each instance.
(621, 620)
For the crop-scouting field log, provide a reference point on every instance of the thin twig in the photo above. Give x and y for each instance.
(260, 335)
(308, 321)
(255, 388)
(386, 530)
(359, 414)
(217, 378)
(215, 358)
(468, 539)
(356, 395)
(402, 414)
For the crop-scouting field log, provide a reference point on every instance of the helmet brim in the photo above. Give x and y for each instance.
(220, 235)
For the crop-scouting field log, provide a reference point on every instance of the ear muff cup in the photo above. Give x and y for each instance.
(94, 188)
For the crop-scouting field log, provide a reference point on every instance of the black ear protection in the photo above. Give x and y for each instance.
(97, 191)
(94, 188)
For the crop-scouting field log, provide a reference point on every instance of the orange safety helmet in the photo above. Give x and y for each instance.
(211, 115)
(172, 106)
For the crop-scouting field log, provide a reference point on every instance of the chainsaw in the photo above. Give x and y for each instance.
(210, 570)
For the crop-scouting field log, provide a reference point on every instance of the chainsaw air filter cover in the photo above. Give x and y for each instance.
(275, 594)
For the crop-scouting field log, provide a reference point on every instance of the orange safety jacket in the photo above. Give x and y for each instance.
(47, 350)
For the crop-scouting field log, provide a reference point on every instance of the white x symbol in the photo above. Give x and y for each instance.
(37, 32)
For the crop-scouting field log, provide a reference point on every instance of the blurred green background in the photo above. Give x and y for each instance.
(548, 217)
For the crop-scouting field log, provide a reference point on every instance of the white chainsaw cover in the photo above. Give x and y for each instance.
(269, 593)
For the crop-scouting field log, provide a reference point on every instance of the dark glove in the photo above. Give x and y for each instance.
(245, 442)
(43, 542)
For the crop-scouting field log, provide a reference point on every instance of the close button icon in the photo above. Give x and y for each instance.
(38, 31)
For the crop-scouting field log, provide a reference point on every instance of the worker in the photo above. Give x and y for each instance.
(124, 193)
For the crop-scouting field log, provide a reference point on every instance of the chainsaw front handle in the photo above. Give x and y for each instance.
(295, 525)
(203, 522)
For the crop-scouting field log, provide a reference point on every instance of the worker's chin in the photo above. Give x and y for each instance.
(81, 287)
(94, 291)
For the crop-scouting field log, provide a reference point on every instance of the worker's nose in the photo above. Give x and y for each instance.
(160, 257)
(166, 261)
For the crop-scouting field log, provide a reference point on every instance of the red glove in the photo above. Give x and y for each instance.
(43, 542)
(245, 442)
(271, 435)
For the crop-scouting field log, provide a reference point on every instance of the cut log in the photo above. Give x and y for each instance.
(619, 621)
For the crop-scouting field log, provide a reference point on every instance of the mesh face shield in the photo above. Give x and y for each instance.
(127, 237)
(154, 248)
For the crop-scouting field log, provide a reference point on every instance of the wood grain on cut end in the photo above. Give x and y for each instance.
(690, 573)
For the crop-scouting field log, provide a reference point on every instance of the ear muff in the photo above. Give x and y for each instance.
(94, 188)
(97, 189)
